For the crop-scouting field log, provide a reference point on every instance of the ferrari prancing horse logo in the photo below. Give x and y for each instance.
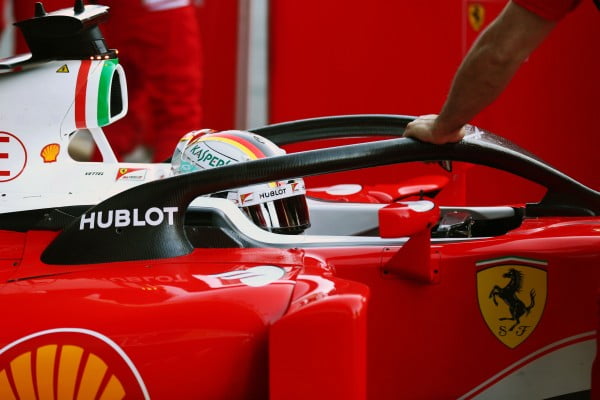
(512, 297)
(476, 16)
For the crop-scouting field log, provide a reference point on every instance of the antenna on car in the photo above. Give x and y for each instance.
(79, 7)
(39, 10)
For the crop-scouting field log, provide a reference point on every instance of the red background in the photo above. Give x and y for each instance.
(399, 57)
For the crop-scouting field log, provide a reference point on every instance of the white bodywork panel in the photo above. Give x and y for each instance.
(41, 108)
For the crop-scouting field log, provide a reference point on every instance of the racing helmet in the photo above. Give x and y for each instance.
(278, 207)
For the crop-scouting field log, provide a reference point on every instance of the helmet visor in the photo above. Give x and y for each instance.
(288, 215)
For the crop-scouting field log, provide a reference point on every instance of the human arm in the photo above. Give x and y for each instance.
(484, 73)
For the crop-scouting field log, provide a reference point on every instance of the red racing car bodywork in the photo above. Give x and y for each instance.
(233, 315)
(158, 290)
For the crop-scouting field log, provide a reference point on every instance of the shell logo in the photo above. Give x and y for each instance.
(50, 152)
(68, 363)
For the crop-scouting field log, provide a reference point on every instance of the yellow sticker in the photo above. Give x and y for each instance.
(68, 363)
(63, 69)
(476, 15)
(50, 152)
(512, 299)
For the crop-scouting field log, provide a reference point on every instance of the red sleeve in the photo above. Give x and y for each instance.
(549, 9)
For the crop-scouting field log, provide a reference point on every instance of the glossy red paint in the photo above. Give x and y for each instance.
(398, 220)
(182, 325)
(431, 341)
(11, 252)
(381, 193)
(375, 178)
(321, 342)
(332, 324)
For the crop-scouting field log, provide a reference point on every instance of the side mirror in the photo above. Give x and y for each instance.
(414, 260)
(407, 218)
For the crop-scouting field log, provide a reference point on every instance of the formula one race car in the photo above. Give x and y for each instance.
(129, 281)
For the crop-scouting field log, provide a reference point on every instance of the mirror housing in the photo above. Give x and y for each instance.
(414, 260)
(407, 218)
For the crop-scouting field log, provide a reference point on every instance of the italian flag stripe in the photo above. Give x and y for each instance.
(104, 91)
(81, 93)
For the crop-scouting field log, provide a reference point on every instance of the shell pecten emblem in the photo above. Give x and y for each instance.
(512, 296)
(69, 364)
(50, 152)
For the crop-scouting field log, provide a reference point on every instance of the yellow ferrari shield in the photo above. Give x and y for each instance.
(476, 16)
(512, 297)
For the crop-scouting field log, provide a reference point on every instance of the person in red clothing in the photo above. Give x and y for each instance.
(160, 50)
(159, 47)
(489, 66)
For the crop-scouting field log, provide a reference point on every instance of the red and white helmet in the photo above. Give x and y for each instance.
(274, 206)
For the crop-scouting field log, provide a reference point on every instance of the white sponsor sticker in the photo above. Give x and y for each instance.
(159, 5)
(262, 193)
(121, 218)
(131, 174)
(258, 276)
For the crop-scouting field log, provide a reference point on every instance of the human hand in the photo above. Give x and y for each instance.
(425, 129)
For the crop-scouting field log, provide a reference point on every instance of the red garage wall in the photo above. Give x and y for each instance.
(399, 57)
(219, 26)
(550, 106)
(330, 57)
